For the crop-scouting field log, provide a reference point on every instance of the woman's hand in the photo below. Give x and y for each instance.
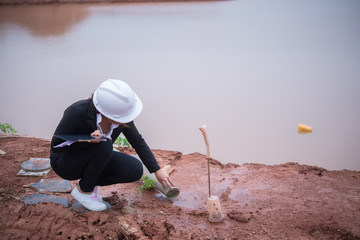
(96, 134)
(163, 178)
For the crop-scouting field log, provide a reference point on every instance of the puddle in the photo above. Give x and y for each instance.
(240, 195)
(39, 198)
(52, 185)
(162, 197)
(188, 200)
(238, 171)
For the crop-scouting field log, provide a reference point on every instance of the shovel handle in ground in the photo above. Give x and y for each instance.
(203, 131)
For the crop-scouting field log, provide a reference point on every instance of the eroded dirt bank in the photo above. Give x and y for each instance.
(288, 201)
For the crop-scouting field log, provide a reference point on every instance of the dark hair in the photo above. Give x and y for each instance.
(92, 103)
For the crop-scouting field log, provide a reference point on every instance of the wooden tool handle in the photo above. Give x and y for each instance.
(203, 131)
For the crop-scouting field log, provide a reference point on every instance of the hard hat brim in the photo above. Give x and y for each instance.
(138, 106)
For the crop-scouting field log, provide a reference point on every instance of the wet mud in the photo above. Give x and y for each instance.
(287, 201)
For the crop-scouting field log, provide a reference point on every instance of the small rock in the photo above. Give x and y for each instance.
(127, 210)
(239, 217)
(127, 230)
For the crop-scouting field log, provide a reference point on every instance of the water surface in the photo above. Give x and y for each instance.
(250, 70)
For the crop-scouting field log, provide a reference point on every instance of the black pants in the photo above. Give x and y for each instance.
(95, 164)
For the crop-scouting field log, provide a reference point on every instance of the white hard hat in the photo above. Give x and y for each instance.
(117, 101)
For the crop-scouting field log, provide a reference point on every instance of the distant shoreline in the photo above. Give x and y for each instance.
(49, 2)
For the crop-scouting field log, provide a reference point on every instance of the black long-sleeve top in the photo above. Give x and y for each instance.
(80, 119)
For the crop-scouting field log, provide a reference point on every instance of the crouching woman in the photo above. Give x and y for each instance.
(110, 111)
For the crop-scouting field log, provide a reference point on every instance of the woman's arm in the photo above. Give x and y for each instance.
(164, 178)
(145, 154)
(142, 149)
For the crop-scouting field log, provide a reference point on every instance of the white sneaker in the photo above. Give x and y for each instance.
(96, 191)
(90, 202)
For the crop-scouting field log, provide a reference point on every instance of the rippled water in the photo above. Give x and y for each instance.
(250, 70)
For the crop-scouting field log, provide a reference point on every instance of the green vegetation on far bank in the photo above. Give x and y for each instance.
(7, 128)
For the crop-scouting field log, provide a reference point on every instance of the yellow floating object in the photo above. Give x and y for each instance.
(304, 129)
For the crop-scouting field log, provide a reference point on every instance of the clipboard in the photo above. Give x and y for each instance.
(78, 138)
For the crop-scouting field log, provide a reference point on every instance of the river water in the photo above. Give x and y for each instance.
(251, 70)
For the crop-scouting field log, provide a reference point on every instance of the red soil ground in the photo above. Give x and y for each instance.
(288, 201)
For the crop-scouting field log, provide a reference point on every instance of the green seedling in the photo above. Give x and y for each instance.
(147, 184)
(122, 142)
(7, 128)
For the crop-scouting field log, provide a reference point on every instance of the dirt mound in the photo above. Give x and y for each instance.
(288, 201)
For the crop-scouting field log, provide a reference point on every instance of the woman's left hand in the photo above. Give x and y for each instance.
(96, 134)
(164, 178)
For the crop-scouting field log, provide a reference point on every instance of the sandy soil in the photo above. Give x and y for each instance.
(288, 201)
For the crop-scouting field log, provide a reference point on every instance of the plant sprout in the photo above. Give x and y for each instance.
(147, 184)
(122, 142)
